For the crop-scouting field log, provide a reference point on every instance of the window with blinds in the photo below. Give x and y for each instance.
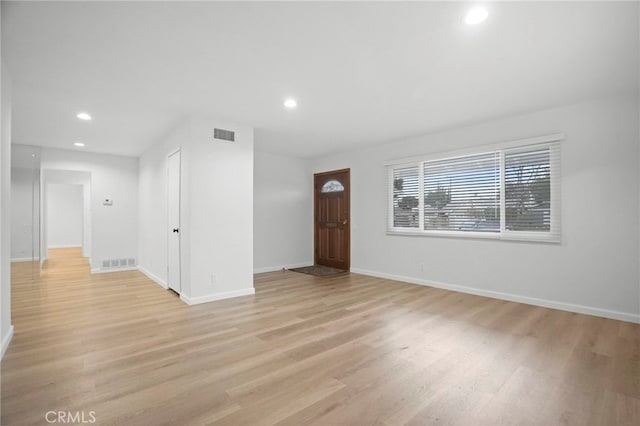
(527, 187)
(510, 193)
(406, 197)
(463, 194)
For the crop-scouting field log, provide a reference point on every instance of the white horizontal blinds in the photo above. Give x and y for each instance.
(463, 194)
(508, 192)
(405, 185)
(528, 201)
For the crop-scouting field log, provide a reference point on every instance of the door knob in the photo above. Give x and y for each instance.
(176, 230)
(344, 222)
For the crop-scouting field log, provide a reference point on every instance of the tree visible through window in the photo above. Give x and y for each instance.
(405, 197)
(528, 191)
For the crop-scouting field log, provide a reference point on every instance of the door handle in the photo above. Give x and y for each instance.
(176, 230)
(344, 222)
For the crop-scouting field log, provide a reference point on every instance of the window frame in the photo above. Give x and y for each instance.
(552, 142)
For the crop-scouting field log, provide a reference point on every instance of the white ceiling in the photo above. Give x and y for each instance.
(362, 72)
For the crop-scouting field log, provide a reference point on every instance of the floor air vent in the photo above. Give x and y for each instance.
(119, 263)
(225, 135)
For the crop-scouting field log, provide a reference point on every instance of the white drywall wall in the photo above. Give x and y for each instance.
(65, 205)
(282, 212)
(216, 210)
(25, 199)
(113, 228)
(6, 328)
(595, 267)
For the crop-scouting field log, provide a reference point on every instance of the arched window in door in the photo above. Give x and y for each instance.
(332, 186)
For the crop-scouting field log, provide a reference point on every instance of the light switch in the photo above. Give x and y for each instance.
(107, 202)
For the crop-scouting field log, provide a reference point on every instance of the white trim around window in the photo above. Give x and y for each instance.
(507, 191)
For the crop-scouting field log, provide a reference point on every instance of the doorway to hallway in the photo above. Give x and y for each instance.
(66, 219)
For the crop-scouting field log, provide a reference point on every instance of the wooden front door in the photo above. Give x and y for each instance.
(332, 218)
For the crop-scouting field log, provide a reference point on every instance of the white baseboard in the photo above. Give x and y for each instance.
(279, 267)
(217, 296)
(6, 341)
(153, 277)
(545, 303)
(64, 246)
(114, 269)
(24, 259)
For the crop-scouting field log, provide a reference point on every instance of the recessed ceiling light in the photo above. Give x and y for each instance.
(476, 16)
(290, 103)
(83, 116)
(78, 144)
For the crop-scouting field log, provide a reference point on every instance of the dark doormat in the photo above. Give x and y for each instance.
(319, 270)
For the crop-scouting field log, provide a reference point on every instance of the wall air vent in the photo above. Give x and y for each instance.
(225, 135)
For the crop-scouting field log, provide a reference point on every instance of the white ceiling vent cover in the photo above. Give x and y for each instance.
(225, 135)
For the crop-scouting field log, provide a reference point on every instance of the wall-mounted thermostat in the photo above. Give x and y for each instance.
(107, 202)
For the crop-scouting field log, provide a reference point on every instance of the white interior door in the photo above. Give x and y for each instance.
(173, 199)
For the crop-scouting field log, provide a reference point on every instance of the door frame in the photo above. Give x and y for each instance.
(168, 227)
(40, 220)
(347, 199)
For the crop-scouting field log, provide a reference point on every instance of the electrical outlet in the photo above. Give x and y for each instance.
(214, 279)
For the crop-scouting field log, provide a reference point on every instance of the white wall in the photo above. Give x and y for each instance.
(638, 106)
(216, 211)
(282, 212)
(65, 205)
(594, 269)
(25, 201)
(6, 329)
(113, 228)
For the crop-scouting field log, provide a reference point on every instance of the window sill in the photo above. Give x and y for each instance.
(507, 236)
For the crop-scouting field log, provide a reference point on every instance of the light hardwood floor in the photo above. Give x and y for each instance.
(347, 350)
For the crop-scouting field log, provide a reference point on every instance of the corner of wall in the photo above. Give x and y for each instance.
(162, 283)
(6, 340)
(6, 328)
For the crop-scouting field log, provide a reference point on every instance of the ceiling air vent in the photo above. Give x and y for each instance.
(225, 135)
